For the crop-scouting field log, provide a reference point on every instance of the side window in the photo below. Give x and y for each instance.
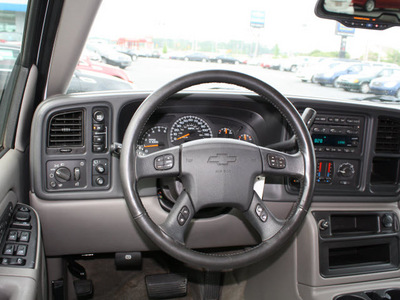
(12, 21)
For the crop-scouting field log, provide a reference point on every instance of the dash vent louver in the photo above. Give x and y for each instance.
(388, 135)
(66, 130)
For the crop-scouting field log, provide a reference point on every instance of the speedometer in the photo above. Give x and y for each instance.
(189, 128)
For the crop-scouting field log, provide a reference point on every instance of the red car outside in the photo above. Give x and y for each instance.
(370, 5)
(86, 64)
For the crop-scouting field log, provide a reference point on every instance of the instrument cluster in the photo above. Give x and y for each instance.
(185, 128)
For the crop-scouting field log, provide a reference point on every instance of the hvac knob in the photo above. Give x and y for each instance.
(346, 170)
(62, 174)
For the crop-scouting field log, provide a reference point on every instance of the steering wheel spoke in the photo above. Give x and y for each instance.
(280, 163)
(164, 163)
(179, 218)
(262, 219)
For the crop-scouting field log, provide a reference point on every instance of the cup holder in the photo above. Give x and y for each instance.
(384, 294)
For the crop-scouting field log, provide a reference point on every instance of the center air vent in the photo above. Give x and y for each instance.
(66, 130)
(388, 135)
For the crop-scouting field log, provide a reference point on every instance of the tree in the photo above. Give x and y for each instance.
(393, 56)
(276, 50)
(319, 53)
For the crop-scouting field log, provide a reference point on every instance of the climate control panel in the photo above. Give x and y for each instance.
(334, 174)
(337, 172)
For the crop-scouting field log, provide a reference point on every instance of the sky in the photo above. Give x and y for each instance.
(291, 24)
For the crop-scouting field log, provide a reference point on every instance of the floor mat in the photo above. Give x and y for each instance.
(110, 283)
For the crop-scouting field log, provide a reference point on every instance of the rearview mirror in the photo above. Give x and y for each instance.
(369, 14)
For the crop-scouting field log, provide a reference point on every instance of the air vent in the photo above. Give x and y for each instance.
(65, 130)
(388, 135)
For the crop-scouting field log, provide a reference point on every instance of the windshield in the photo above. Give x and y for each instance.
(155, 42)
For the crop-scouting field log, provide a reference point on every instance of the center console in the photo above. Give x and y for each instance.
(338, 142)
(352, 243)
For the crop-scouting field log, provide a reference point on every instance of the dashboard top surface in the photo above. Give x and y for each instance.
(189, 116)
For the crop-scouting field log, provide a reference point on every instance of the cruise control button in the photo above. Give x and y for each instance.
(276, 161)
(159, 163)
(164, 162)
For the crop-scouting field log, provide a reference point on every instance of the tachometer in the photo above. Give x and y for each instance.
(189, 128)
(153, 139)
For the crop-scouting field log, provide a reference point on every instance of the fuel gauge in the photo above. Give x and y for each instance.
(226, 133)
(246, 137)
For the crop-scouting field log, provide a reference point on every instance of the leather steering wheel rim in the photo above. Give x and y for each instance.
(130, 166)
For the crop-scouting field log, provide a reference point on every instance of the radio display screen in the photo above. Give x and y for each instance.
(332, 140)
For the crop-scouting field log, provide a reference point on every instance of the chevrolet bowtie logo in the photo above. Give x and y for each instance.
(222, 159)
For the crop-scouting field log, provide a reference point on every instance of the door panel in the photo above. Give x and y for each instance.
(18, 282)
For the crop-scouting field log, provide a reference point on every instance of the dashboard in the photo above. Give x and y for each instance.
(75, 171)
(356, 148)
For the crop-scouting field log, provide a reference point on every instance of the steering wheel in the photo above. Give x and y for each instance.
(218, 172)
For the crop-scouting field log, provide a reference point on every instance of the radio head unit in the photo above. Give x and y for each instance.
(338, 134)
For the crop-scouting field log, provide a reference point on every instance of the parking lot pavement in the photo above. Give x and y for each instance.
(149, 74)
